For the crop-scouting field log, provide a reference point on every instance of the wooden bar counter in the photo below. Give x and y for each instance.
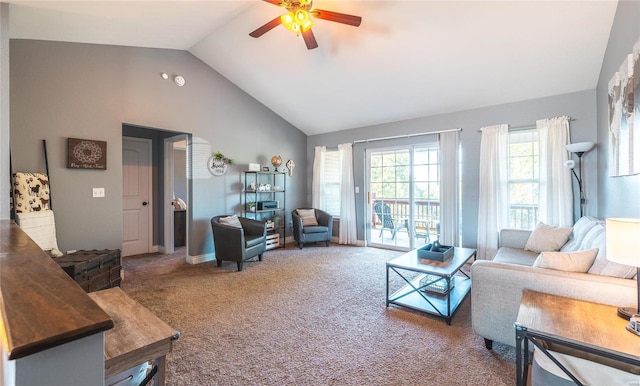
(40, 306)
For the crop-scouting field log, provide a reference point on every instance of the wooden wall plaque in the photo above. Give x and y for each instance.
(86, 154)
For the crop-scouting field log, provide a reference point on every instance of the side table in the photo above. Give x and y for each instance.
(590, 327)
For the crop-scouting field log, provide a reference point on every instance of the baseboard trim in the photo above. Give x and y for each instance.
(201, 258)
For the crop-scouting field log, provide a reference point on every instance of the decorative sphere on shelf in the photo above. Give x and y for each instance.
(276, 161)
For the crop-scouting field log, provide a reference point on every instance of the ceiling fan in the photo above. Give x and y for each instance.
(298, 19)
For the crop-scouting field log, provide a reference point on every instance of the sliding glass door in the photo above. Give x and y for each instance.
(403, 196)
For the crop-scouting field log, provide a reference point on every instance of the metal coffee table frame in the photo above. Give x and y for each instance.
(413, 294)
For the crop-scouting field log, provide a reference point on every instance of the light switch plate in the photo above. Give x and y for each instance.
(98, 192)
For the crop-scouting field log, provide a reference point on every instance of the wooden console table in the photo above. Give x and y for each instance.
(138, 336)
(571, 323)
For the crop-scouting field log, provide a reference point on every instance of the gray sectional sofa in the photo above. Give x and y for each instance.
(498, 284)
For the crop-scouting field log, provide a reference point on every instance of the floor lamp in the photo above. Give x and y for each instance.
(579, 149)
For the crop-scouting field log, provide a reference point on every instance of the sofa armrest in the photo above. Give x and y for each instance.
(496, 293)
(325, 219)
(514, 238)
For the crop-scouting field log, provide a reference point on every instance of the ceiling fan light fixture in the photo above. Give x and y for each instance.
(301, 16)
(297, 22)
(289, 21)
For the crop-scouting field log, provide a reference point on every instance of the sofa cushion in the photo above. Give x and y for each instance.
(315, 229)
(547, 238)
(308, 217)
(580, 229)
(575, 261)
(515, 256)
(596, 238)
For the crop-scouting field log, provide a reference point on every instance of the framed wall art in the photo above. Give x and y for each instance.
(624, 119)
(86, 154)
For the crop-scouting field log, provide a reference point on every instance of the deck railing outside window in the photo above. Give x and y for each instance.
(426, 212)
(523, 216)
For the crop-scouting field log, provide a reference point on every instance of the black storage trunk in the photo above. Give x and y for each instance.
(93, 270)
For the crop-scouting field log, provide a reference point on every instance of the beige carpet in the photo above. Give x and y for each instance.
(315, 316)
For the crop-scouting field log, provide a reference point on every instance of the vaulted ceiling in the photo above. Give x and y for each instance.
(408, 59)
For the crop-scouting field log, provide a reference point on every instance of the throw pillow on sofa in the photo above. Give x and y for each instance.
(577, 261)
(547, 238)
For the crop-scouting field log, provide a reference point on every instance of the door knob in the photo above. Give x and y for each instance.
(144, 203)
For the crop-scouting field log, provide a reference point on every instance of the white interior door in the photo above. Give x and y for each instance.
(136, 196)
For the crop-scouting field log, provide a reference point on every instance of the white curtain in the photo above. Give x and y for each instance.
(347, 196)
(449, 216)
(317, 185)
(556, 195)
(492, 197)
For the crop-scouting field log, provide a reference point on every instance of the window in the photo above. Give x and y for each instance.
(524, 178)
(331, 180)
(426, 169)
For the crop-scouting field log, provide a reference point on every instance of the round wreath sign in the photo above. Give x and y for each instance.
(218, 164)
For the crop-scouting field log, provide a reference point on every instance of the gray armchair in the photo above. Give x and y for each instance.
(310, 233)
(238, 244)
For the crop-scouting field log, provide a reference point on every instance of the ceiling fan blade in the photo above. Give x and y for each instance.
(266, 28)
(309, 39)
(337, 17)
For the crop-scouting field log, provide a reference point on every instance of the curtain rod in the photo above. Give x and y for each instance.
(405, 135)
(532, 125)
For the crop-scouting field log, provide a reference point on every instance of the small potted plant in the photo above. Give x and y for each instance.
(251, 206)
(219, 164)
(220, 157)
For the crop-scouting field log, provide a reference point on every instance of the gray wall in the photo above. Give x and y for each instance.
(579, 105)
(61, 90)
(620, 196)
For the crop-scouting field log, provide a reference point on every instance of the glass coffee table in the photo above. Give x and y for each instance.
(431, 286)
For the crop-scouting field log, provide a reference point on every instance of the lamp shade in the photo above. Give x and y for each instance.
(580, 147)
(570, 164)
(623, 241)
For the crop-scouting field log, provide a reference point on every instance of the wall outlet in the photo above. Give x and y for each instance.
(98, 192)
